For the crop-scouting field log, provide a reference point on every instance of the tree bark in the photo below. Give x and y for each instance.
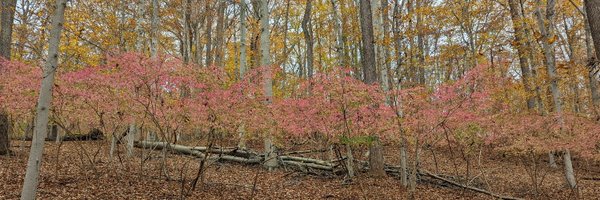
(5, 128)
(7, 16)
(569, 172)
(369, 65)
(186, 51)
(219, 40)
(209, 22)
(339, 45)
(368, 44)
(243, 38)
(243, 62)
(517, 23)
(592, 15)
(548, 49)
(139, 29)
(592, 8)
(154, 26)
(308, 38)
(385, 50)
(547, 39)
(44, 104)
(265, 61)
(131, 139)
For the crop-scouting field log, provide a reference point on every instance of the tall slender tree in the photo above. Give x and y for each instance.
(517, 23)
(155, 32)
(7, 14)
(220, 31)
(369, 66)
(243, 61)
(308, 38)
(545, 25)
(265, 61)
(44, 104)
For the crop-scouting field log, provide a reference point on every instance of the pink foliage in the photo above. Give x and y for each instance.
(169, 96)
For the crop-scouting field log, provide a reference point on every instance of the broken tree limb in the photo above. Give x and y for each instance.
(311, 165)
(224, 154)
(175, 147)
(429, 174)
(306, 160)
(229, 151)
(304, 152)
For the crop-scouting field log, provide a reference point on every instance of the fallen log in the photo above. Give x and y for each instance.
(228, 151)
(305, 152)
(311, 165)
(306, 160)
(591, 178)
(429, 174)
(194, 151)
(94, 134)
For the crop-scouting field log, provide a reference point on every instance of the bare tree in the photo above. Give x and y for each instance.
(44, 104)
(265, 61)
(545, 26)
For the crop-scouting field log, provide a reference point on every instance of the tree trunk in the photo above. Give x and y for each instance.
(219, 46)
(403, 164)
(139, 29)
(339, 45)
(7, 16)
(569, 172)
(308, 38)
(385, 64)
(369, 65)
(548, 49)
(368, 50)
(536, 77)
(349, 161)
(44, 104)
(517, 22)
(592, 8)
(547, 37)
(186, 51)
(155, 34)
(5, 129)
(196, 37)
(265, 61)
(243, 62)
(209, 51)
(592, 11)
(243, 38)
(376, 161)
(131, 139)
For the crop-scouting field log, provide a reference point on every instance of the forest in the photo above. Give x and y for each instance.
(299, 99)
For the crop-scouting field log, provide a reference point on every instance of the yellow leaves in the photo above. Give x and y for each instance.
(552, 39)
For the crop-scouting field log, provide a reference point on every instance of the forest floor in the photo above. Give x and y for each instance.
(83, 170)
